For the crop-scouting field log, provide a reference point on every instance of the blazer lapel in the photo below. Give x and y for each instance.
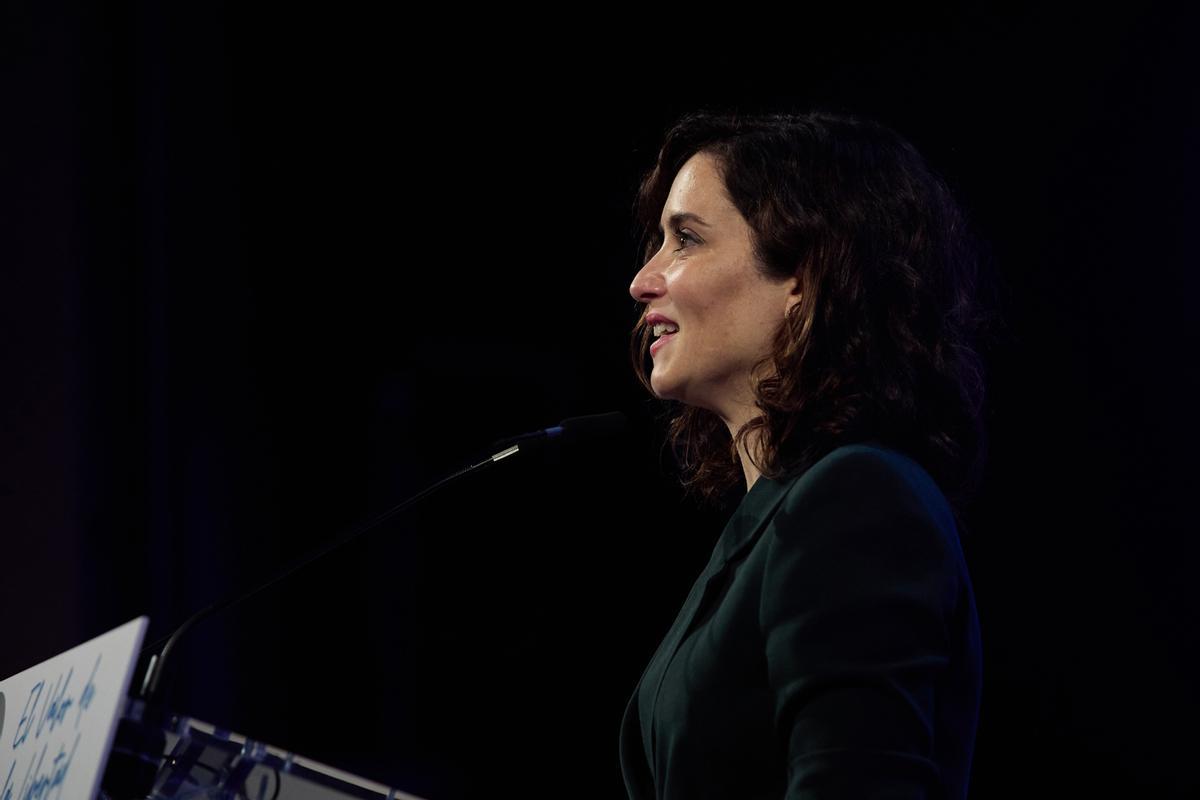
(743, 528)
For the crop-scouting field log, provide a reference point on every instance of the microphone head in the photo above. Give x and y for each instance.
(568, 432)
(592, 426)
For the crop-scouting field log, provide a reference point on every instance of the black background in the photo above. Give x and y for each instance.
(268, 271)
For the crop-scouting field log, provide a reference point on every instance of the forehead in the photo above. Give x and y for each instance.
(698, 189)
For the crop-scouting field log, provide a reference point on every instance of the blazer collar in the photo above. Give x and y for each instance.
(757, 508)
(750, 517)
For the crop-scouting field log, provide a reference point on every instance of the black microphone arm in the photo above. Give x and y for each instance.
(568, 431)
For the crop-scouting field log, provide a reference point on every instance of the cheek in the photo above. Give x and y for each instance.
(700, 284)
(716, 302)
(726, 314)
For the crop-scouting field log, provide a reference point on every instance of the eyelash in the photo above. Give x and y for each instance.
(683, 235)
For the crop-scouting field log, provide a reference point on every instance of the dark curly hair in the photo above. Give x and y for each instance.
(883, 342)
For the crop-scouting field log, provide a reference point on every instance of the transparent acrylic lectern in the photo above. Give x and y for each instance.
(160, 756)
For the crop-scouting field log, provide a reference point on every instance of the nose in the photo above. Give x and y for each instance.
(649, 283)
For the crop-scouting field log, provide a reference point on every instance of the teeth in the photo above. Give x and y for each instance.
(665, 327)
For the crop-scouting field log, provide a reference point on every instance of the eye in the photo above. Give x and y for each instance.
(684, 236)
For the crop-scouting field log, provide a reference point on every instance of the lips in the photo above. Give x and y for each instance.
(660, 341)
(655, 318)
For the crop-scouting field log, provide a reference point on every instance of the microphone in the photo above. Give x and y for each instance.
(570, 432)
(593, 426)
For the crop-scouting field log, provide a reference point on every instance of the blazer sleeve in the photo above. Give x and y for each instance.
(859, 586)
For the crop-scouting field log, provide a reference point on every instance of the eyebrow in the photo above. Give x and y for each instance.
(683, 216)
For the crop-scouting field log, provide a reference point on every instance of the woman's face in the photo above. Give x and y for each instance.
(705, 281)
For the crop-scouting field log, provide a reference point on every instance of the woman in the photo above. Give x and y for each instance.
(809, 309)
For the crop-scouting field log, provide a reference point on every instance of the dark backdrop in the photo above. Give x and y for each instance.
(266, 272)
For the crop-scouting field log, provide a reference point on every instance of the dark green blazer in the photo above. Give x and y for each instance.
(830, 649)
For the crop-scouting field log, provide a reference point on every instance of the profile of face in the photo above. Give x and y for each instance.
(705, 281)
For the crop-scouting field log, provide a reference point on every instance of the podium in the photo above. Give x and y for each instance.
(73, 731)
(161, 756)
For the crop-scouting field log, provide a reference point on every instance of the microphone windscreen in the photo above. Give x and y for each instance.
(593, 426)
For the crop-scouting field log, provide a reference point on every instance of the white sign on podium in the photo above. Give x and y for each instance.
(57, 720)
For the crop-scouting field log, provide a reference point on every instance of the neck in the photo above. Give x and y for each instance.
(735, 423)
(752, 474)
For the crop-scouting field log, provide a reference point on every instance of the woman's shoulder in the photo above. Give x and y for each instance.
(863, 514)
(873, 478)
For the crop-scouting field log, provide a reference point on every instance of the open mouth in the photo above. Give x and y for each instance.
(660, 341)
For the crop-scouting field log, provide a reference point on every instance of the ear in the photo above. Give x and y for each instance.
(794, 294)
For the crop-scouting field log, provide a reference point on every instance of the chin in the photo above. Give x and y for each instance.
(662, 390)
(665, 390)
